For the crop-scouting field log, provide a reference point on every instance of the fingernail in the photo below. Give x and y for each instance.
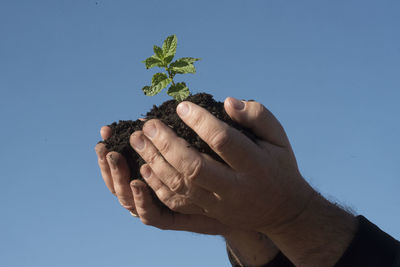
(183, 109)
(100, 151)
(237, 104)
(133, 214)
(150, 130)
(137, 141)
(146, 172)
(135, 189)
(112, 161)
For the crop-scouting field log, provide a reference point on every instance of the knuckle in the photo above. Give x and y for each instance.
(153, 157)
(149, 122)
(177, 184)
(176, 204)
(162, 195)
(195, 169)
(196, 119)
(220, 140)
(164, 146)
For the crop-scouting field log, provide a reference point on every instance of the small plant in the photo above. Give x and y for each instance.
(166, 112)
(162, 58)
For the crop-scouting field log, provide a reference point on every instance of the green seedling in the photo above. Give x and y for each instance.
(163, 58)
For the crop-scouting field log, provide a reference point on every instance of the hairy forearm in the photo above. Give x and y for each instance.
(250, 248)
(318, 236)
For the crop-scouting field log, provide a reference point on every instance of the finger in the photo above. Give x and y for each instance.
(170, 177)
(105, 132)
(120, 176)
(152, 214)
(173, 179)
(256, 117)
(232, 146)
(197, 168)
(101, 152)
(148, 211)
(175, 202)
(174, 149)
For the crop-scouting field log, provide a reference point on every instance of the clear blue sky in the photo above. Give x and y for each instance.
(329, 70)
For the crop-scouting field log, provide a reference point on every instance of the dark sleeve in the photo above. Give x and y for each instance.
(371, 247)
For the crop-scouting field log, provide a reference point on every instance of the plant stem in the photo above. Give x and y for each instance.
(170, 76)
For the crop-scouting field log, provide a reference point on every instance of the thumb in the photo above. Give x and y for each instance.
(258, 119)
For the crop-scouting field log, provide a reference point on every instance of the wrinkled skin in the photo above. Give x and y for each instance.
(135, 197)
(259, 187)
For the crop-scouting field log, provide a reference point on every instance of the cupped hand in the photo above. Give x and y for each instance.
(115, 172)
(135, 196)
(153, 214)
(247, 247)
(259, 187)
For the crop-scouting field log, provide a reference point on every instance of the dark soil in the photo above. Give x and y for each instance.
(166, 112)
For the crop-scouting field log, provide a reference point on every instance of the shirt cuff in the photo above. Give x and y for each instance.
(370, 247)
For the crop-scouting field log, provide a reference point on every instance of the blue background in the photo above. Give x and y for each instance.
(329, 70)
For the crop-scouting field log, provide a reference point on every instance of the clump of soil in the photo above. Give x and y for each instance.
(166, 112)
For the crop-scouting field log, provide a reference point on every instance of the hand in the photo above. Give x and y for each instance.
(115, 172)
(259, 187)
(136, 197)
(247, 247)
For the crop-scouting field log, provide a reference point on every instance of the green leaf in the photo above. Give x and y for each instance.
(147, 90)
(159, 52)
(159, 82)
(190, 60)
(179, 91)
(169, 48)
(168, 59)
(153, 61)
(183, 65)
